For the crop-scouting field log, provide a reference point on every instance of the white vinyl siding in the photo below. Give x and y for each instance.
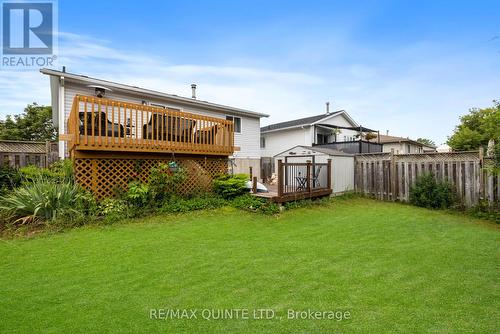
(279, 141)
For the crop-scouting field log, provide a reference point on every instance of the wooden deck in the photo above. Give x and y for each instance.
(274, 197)
(298, 181)
(104, 125)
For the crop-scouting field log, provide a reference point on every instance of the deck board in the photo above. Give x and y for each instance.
(273, 196)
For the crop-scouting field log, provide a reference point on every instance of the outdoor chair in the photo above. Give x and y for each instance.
(206, 135)
(315, 177)
(118, 129)
(168, 128)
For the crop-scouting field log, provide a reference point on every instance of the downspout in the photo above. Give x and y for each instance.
(62, 119)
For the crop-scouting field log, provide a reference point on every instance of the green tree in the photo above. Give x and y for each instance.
(476, 129)
(35, 123)
(427, 142)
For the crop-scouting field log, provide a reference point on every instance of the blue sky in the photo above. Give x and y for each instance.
(410, 67)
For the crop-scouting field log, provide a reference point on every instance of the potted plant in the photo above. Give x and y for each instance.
(172, 166)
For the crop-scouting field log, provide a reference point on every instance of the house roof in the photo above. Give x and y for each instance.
(14, 146)
(324, 150)
(328, 151)
(385, 139)
(149, 92)
(299, 122)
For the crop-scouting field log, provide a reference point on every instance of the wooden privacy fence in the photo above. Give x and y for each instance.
(18, 154)
(390, 176)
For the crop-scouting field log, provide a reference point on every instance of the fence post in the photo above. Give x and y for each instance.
(329, 174)
(280, 178)
(481, 173)
(251, 173)
(308, 178)
(254, 185)
(393, 176)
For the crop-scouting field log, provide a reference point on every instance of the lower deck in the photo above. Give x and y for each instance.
(297, 181)
(274, 197)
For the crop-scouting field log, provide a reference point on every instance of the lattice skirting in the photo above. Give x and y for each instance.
(104, 176)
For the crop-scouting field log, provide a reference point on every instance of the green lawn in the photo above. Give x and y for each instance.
(395, 268)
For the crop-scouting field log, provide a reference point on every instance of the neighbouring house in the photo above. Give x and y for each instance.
(100, 119)
(443, 148)
(333, 130)
(402, 145)
(342, 168)
(18, 154)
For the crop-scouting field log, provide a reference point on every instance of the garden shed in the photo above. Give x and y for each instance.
(342, 169)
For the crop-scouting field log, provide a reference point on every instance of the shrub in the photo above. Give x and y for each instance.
(164, 183)
(230, 186)
(298, 204)
(59, 171)
(113, 209)
(432, 194)
(483, 210)
(43, 200)
(257, 204)
(270, 208)
(138, 194)
(62, 168)
(177, 204)
(9, 178)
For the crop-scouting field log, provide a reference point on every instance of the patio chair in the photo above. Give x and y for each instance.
(315, 177)
(206, 135)
(118, 129)
(168, 128)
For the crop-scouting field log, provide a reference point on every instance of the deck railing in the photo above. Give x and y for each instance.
(305, 177)
(98, 124)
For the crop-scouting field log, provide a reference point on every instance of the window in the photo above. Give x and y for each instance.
(236, 121)
(321, 138)
(157, 105)
(262, 142)
(408, 148)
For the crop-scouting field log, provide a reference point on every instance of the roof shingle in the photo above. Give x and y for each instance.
(12, 146)
(297, 122)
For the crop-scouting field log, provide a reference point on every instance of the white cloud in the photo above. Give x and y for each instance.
(415, 91)
(251, 88)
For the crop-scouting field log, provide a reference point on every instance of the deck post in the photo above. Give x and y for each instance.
(329, 174)
(280, 178)
(254, 185)
(308, 178)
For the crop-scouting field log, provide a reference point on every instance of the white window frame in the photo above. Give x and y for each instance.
(233, 118)
(164, 106)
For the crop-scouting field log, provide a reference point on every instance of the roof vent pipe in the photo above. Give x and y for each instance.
(328, 108)
(193, 91)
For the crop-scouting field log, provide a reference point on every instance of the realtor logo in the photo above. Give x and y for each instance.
(28, 30)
